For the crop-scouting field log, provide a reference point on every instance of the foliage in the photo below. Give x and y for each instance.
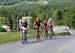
(2, 29)
(61, 11)
(73, 22)
(64, 16)
(3, 20)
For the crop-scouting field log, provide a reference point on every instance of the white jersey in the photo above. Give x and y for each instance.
(50, 22)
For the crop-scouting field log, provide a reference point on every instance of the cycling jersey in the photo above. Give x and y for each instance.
(24, 24)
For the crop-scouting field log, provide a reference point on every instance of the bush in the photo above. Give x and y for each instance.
(2, 29)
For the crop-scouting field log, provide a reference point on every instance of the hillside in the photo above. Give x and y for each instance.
(52, 2)
(12, 2)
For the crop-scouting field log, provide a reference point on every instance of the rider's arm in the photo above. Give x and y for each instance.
(34, 25)
(41, 25)
(28, 27)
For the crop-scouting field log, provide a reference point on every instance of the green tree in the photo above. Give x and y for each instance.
(58, 17)
(73, 22)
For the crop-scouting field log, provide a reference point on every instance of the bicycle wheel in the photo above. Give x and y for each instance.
(24, 37)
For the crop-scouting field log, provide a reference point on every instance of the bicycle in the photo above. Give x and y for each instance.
(51, 32)
(24, 36)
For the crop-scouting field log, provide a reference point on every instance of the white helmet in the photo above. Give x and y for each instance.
(50, 19)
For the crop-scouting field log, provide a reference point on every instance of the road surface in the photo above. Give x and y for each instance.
(59, 44)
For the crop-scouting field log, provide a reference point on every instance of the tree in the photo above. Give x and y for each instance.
(58, 17)
(73, 22)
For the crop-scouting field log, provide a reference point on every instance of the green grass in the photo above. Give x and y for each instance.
(9, 36)
(14, 36)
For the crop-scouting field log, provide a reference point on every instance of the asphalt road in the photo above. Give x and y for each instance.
(59, 44)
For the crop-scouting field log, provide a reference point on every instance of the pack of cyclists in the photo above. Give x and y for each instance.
(47, 26)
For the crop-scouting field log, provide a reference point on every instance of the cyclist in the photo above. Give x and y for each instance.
(20, 21)
(37, 27)
(24, 28)
(50, 27)
(45, 28)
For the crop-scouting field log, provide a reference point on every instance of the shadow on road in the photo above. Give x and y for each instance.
(34, 41)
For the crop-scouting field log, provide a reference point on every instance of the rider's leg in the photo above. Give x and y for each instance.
(52, 31)
(25, 36)
(46, 35)
(50, 35)
(38, 35)
(21, 34)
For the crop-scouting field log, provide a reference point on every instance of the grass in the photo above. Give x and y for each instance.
(9, 36)
(14, 36)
